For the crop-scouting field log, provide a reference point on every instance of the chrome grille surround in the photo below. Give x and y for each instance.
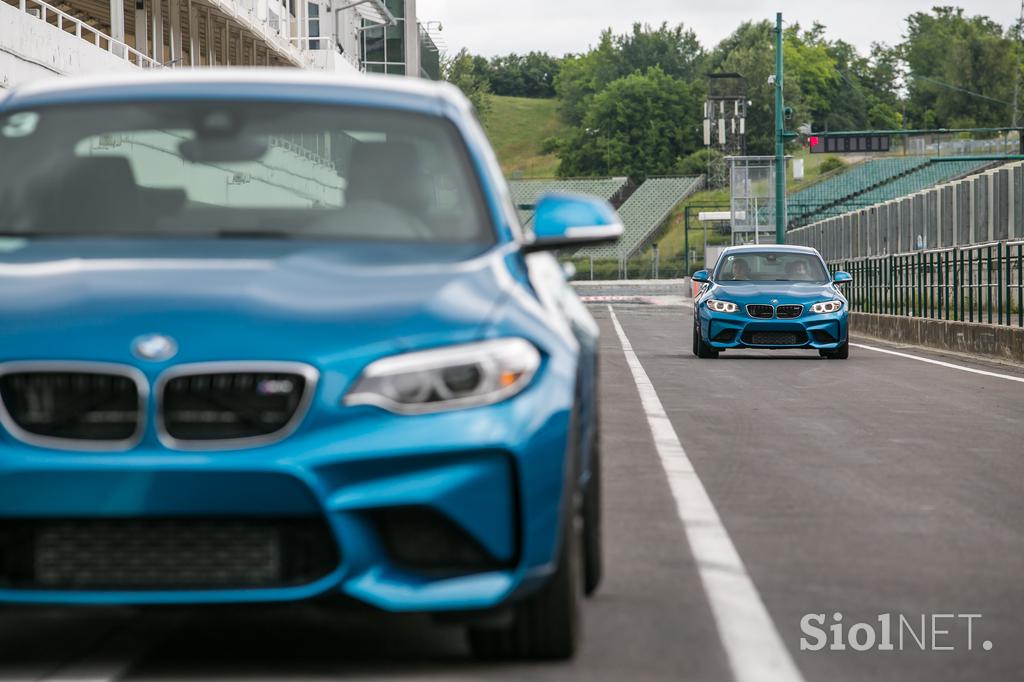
(77, 367)
(307, 372)
(789, 311)
(760, 311)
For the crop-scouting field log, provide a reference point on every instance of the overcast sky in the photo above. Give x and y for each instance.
(491, 27)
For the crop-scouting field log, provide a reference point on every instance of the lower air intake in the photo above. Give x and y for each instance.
(423, 540)
(774, 338)
(164, 554)
(822, 336)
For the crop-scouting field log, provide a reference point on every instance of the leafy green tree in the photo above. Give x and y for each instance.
(674, 50)
(697, 163)
(638, 126)
(530, 75)
(463, 71)
(961, 70)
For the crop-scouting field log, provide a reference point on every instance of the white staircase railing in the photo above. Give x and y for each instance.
(66, 22)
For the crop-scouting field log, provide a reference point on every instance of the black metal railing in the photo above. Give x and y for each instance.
(975, 283)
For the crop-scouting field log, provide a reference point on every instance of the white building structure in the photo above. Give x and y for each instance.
(41, 38)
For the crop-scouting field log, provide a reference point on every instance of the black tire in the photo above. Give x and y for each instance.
(593, 552)
(701, 349)
(840, 353)
(546, 625)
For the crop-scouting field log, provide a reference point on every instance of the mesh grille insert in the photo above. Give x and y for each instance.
(823, 336)
(172, 554)
(788, 312)
(774, 338)
(725, 335)
(78, 405)
(760, 310)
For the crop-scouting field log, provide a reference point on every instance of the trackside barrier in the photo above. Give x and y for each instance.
(977, 283)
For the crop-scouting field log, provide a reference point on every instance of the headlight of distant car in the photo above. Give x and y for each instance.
(466, 375)
(722, 306)
(827, 307)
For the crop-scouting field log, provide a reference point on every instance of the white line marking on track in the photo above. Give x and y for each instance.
(940, 363)
(752, 643)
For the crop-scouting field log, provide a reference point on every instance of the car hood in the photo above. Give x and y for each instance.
(317, 302)
(764, 292)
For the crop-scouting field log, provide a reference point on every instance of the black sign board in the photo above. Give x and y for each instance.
(823, 143)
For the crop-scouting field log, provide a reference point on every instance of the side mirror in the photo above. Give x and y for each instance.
(842, 277)
(702, 276)
(572, 220)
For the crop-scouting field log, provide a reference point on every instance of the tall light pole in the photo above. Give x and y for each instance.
(780, 140)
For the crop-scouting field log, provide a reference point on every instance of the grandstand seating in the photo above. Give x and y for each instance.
(526, 192)
(820, 200)
(643, 213)
(929, 175)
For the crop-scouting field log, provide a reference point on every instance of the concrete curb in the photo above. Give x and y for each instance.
(986, 340)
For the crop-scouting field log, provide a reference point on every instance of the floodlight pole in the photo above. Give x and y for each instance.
(780, 140)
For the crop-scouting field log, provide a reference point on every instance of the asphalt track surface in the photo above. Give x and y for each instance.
(882, 484)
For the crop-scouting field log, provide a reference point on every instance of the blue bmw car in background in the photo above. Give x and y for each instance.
(770, 297)
(270, 337)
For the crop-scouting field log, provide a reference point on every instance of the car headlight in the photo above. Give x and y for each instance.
(449, 378)
(827, 307)
(722, 306)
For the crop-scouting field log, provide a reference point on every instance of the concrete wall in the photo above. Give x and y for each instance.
(980, 208)
(987, 340)
(31, 49)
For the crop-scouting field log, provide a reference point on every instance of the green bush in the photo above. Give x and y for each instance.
(830, 164)
(697, 162)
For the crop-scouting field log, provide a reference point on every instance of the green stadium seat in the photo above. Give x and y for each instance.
(525, 193)
(643, 214)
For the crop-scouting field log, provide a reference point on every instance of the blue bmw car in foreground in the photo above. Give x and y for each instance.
(770, 297)
(270, 337)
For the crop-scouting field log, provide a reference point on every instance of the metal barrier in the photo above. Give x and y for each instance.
(101, 40)
(977, 283)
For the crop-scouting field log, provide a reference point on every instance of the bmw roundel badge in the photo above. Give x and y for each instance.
(154, 347)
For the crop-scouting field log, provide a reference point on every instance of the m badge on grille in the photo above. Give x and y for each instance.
(154, 347)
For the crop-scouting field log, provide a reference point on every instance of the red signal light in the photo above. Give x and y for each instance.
(813, 140)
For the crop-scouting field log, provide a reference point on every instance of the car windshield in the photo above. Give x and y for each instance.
(771, 266)
(237, 169)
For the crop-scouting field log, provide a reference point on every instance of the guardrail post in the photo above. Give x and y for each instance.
(999, 280)
(958, 296)
(922, 287)
(988, 280)
(1020, 279)
(889, 293)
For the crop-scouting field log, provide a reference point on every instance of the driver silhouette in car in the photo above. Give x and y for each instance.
(797, 270)
(739, 270)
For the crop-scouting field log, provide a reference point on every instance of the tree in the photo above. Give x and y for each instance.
(531, 75)
(674, 50)
(639, 126)
(961, 70)
(463, 71)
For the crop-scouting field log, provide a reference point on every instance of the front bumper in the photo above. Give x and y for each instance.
(495, 473)
(738, 330)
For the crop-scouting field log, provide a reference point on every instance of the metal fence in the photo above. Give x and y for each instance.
(977, 283)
